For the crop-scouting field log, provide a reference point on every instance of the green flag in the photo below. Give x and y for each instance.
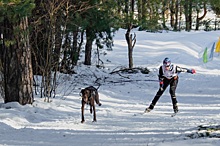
(205, 56)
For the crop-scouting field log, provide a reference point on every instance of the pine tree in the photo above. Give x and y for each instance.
(15, 60)
(98, 26)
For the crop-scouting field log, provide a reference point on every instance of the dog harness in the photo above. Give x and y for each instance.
(91, 94)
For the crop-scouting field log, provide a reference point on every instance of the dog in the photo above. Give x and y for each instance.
(90, 95)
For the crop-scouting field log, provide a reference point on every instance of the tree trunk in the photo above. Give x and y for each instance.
(176, 15)
(16, 60)
(132, 5)
(198, 19)
(172, 13)
(139, 9)
(88, 51)
(187, 15)
(163, 13)
(131, 44)
(25, 65)
(190, 14)
(180, 16)
(74, 51)
(9, 65)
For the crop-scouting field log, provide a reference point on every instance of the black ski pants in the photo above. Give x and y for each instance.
(166, 82)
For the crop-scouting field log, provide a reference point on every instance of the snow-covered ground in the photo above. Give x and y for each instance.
(124, 97)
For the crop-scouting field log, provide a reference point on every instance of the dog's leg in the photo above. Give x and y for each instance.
(91, 109)
(94, 113)
(82, 111)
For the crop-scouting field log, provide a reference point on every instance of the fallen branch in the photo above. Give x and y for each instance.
(131, 70)
(121, 81)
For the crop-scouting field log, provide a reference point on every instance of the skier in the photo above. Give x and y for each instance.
(168, 75)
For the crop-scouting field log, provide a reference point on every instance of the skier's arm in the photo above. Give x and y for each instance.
(160, 76)
(180, 69)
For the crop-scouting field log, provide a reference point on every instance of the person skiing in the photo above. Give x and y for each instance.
(168, 75)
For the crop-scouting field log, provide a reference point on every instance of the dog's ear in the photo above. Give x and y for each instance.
(82, 92)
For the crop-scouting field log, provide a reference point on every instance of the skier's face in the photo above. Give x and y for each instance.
(167, 67)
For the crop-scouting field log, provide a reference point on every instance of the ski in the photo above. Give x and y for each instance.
(173, 114)
(147, 110)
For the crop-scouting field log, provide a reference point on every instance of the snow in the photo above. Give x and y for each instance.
(124, 97)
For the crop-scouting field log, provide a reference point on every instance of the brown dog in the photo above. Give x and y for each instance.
(89, 96)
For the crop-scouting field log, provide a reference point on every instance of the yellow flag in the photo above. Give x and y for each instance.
(217, 48)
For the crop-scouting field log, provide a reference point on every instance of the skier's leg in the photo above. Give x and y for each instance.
(154, 101)
(173, 86)
(157, 96)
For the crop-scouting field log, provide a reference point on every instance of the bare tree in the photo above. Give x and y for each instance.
(47, 40)
(129, 21)
(198, 18)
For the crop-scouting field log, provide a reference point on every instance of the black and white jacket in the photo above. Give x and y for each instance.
(172, 72)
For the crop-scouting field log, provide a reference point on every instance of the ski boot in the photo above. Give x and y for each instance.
(147, 110)
(175, 108)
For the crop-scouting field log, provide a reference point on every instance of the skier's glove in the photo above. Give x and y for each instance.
(161, 85)
(192, 71)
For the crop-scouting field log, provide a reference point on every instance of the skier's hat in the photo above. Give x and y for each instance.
(167, 62)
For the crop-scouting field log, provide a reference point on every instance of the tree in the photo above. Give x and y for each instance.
(177, 9)
(216, 8)
(15, 60)
(172, 12)
(73, 34)
(128, 21)
(98, 25)
(163, 13)
(46, 41)
(151, 15)
(199, 6)
(215, 4)
(188, 14)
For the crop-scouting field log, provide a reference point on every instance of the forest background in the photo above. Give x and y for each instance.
(41, 37)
